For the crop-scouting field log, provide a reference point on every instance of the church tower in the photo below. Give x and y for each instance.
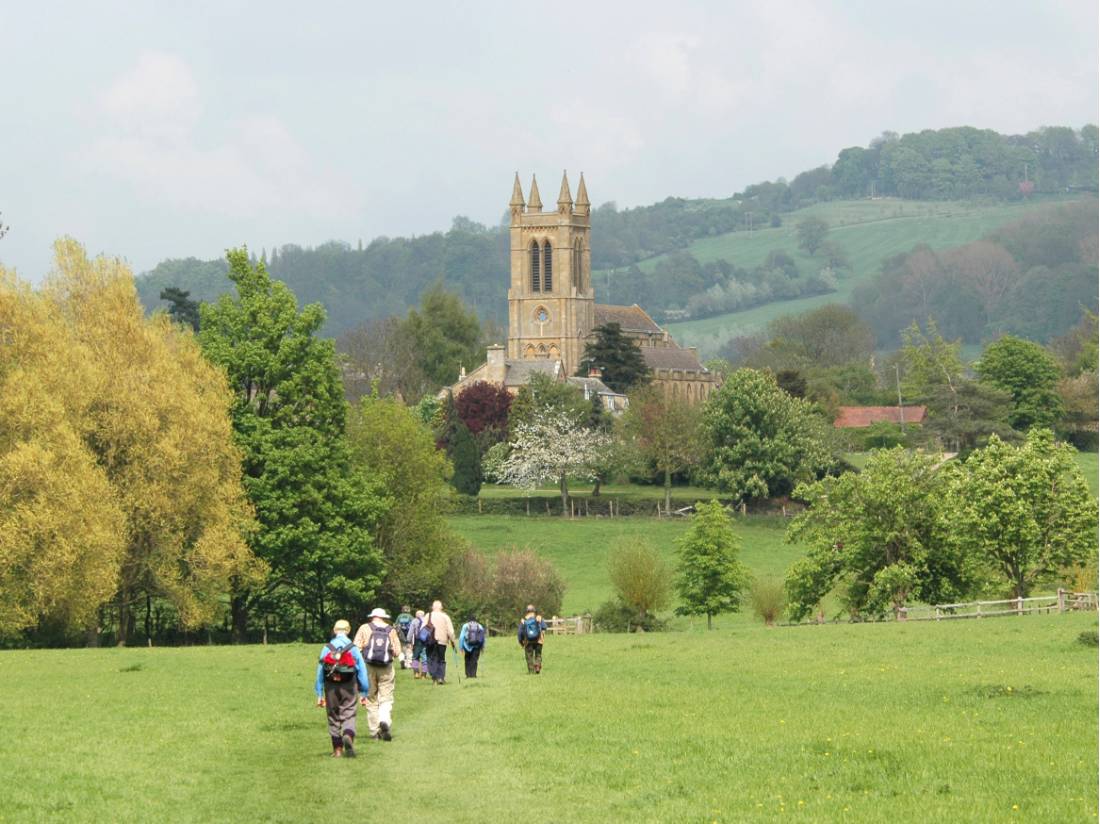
(550, 301)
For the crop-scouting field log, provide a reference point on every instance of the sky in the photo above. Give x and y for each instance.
(159, 130)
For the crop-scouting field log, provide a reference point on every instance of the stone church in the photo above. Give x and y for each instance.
(552, 308)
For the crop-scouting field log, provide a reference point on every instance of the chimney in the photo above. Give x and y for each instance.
(595, 372)
(494, 355)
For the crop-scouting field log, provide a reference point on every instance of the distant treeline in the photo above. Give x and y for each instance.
(358, 284)
(1031, 278)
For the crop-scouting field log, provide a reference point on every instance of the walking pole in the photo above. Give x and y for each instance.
(455, 651)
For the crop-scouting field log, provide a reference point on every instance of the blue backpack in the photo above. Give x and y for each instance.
(532, 628)
(475, 635)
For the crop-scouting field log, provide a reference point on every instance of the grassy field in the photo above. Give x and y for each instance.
(578, 549)
(868, 231)
(980, 721)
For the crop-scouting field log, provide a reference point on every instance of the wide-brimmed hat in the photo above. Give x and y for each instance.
(378, 612)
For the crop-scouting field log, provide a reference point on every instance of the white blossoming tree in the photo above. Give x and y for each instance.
(554, 447)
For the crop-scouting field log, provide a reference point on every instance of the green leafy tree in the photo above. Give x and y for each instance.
(182, 309)
(665, 433)
(315, 510)
(811, 232)
(445, 335)
(640, 576)
(617, 357)
(466, 458)
(964, 416)
(879, 536)
(930, 362)
(710, 580)
(1026, 511)
(543, 395)
(1030, 374)
(391, 444)
(758, 441)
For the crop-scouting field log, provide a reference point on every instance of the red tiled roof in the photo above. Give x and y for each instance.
(850, 417)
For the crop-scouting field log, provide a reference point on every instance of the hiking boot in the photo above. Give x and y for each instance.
(349, 747)
(384, 732)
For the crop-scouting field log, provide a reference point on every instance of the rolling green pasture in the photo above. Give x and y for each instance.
(977, 721)
(579, 549)
(868, 231)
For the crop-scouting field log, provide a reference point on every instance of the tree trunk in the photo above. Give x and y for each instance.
(668, 492)
(564, 497)
(123, 616)
(596, 487)
(148, 619)
(238, 609)
(708, 622)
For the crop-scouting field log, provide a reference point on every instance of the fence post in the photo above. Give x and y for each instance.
(1061, 600)
(978, 614)
(1019, 605)
(939, 613)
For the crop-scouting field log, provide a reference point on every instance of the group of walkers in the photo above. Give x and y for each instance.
(360, 669)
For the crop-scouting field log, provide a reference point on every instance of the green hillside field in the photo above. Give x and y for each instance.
(869, 231)
(991, 720)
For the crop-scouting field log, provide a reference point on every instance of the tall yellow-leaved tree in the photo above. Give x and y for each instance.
(151, 418)
(62, 533)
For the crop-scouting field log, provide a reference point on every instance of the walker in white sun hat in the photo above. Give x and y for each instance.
(378, 612)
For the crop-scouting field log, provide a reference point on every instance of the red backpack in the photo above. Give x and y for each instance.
(338, 662)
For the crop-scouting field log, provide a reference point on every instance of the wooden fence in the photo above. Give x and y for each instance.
(577, 625)
(1062, 601)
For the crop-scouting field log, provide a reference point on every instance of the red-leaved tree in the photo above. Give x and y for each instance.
(483, 407)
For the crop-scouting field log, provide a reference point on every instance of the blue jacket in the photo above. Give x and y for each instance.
(360, 666)
(462, 639)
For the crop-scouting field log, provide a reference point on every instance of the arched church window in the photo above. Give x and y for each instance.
(555, 353)
(535, 281)
(542, 351)
(529, 352)
(578, 264)
(547, 268)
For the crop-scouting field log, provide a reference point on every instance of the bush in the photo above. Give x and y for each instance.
(768, 599)
(1089, 638)
(640, 577)
(618, 616)
(469, 581)
(521, 577)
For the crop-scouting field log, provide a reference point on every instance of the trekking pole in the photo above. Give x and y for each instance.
(459, 677)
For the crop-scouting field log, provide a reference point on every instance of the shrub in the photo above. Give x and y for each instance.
(640, 577)
(618, 616)
(768, 599)
(1089, 638)
(469, 582)
(521, 577)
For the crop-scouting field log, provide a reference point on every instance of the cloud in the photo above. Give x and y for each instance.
(153, 136)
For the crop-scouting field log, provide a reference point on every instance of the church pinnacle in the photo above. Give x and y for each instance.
(534, 203)
(517, 196)
(583, 206)
(565, 197)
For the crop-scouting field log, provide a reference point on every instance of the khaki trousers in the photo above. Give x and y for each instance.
(379, 696)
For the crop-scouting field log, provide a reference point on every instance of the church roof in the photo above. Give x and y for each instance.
(672, 357)
(519, 372)
(592, 386)
(630, 318)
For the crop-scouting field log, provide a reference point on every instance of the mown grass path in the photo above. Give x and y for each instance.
(978, 721)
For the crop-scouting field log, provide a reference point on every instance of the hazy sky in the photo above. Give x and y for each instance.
(155, 130)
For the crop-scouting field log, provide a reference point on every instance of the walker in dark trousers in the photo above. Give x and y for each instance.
(341, 675)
